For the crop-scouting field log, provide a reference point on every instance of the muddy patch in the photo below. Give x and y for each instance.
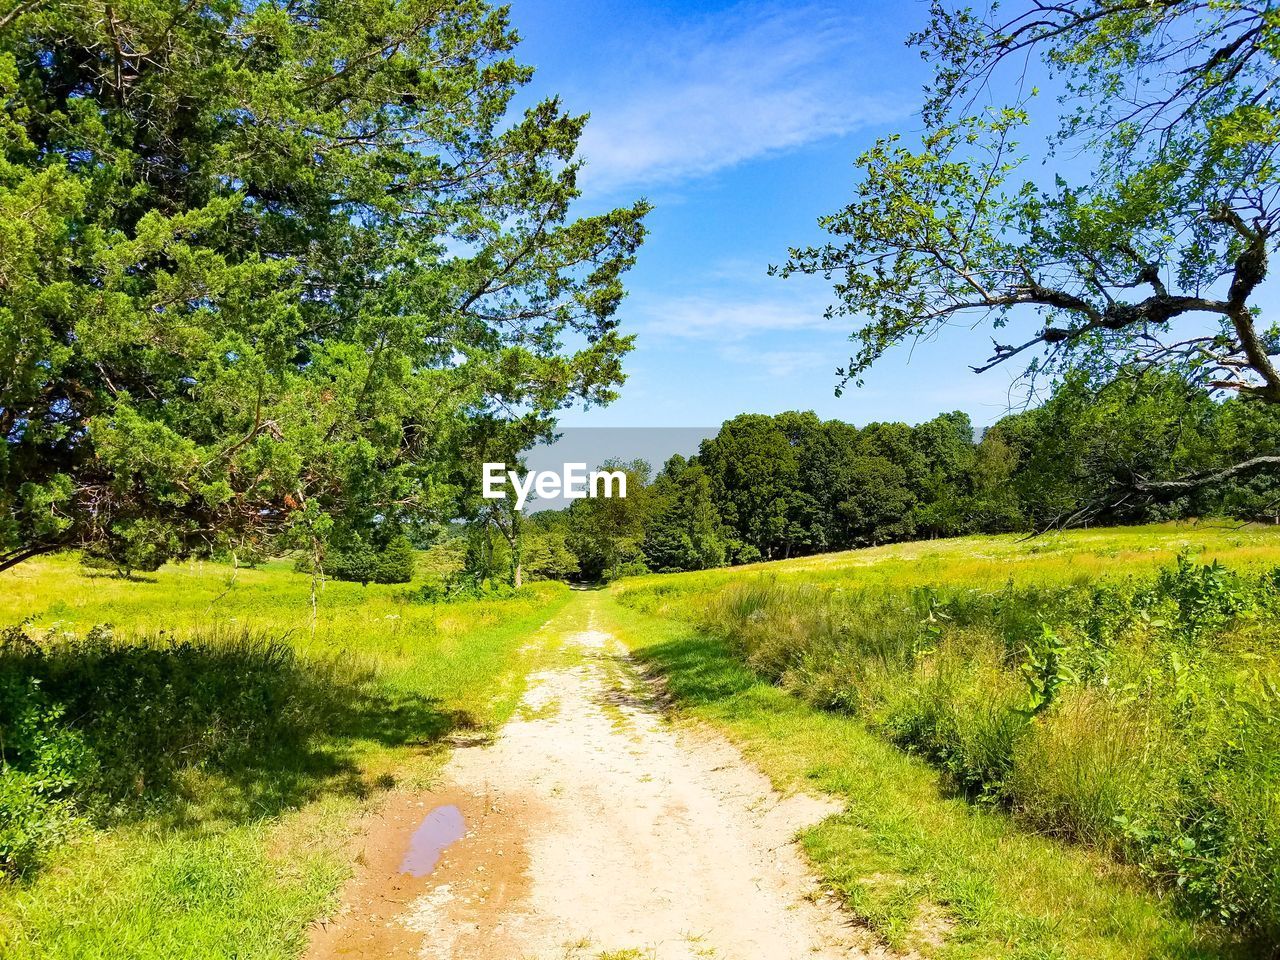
(439, 829)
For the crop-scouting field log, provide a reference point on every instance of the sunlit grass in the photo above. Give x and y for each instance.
(924, 871)
(831, 667)
(211, 875)
(1075, 556)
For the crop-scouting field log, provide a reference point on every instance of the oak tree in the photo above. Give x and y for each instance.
(1147, 246)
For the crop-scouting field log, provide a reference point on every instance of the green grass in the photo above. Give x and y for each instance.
(921, 869)
(1137, 725)
(1072, 557)
(247, 846)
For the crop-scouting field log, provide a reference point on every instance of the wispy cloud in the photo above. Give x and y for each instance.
(709, 316)
(781, 364)
(756, 80)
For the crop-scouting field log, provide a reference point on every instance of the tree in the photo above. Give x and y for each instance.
(945, 445)
(755, 482)
(1147, 250)
(606, 534)
(547, 555)
(261, 263)
(684, 530)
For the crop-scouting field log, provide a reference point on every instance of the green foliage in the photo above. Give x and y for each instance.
(1149, 248)
(96, 729)
(683, 530)
(1137, 715)
(547, 555)
(192, 865)
(768, 487)
(360, 562)
(607, 534)
(259, 265)
(42, 761)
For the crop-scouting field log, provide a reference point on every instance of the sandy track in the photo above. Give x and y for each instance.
(595, 829)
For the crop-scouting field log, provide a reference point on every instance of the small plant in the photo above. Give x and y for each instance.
(1044, 670)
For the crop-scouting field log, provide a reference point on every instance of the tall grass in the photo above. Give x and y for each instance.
(98, 729)
(1140, 715)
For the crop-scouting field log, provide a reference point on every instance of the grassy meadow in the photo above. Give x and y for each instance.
(189, 776)
(1063, 746)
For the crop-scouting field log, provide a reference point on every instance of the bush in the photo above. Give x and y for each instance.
(94, 729)
(1087, 766)
(629, 568)
(41, 762)
(358, 562)
(396, 563)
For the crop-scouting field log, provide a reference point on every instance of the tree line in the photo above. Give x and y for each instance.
(771, 487)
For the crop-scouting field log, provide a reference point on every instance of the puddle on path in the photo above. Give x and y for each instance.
(441, 827)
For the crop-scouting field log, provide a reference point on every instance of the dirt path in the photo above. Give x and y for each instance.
(595, 830)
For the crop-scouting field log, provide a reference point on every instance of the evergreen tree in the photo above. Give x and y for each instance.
(261, 264)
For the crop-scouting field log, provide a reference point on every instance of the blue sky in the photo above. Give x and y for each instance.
(740, 122)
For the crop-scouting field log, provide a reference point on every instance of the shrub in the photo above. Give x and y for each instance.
(358, 562)
(42, 761)
(95, 728)
(629, 568)
(396, 563)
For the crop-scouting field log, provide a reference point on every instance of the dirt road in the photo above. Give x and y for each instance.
(593, 830)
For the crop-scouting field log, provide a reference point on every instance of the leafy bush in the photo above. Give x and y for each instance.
(396, 563)
(41, 761)
(93, 728)
(629, 568)
(359, 562)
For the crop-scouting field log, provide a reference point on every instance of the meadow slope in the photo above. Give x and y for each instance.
(224, 743)
(1062, 746)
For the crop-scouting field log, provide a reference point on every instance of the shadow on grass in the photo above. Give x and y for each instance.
(697, 670)
(224, 727)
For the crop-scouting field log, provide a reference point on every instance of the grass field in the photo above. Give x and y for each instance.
(1060, 747)
(232, 846)
(1048, 748)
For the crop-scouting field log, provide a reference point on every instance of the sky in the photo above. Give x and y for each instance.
(740, 122)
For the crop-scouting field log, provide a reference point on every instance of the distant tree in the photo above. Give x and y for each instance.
(684, 529)
(1086, 452)
(945, 445)
(396, 562)
(355, 561)
(993, 505)
(754, 476)
(547, 555)
(607, 534)
(262, 263)
(1244, 430)
(880, 505)
(1148, 250)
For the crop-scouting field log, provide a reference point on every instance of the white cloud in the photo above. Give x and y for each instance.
(782, 364)
(706, 316)
(754, 81)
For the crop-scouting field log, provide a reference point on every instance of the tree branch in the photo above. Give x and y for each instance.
(1206, 477)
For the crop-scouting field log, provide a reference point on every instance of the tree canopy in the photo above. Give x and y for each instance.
(1148, 244)
(263, 264)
